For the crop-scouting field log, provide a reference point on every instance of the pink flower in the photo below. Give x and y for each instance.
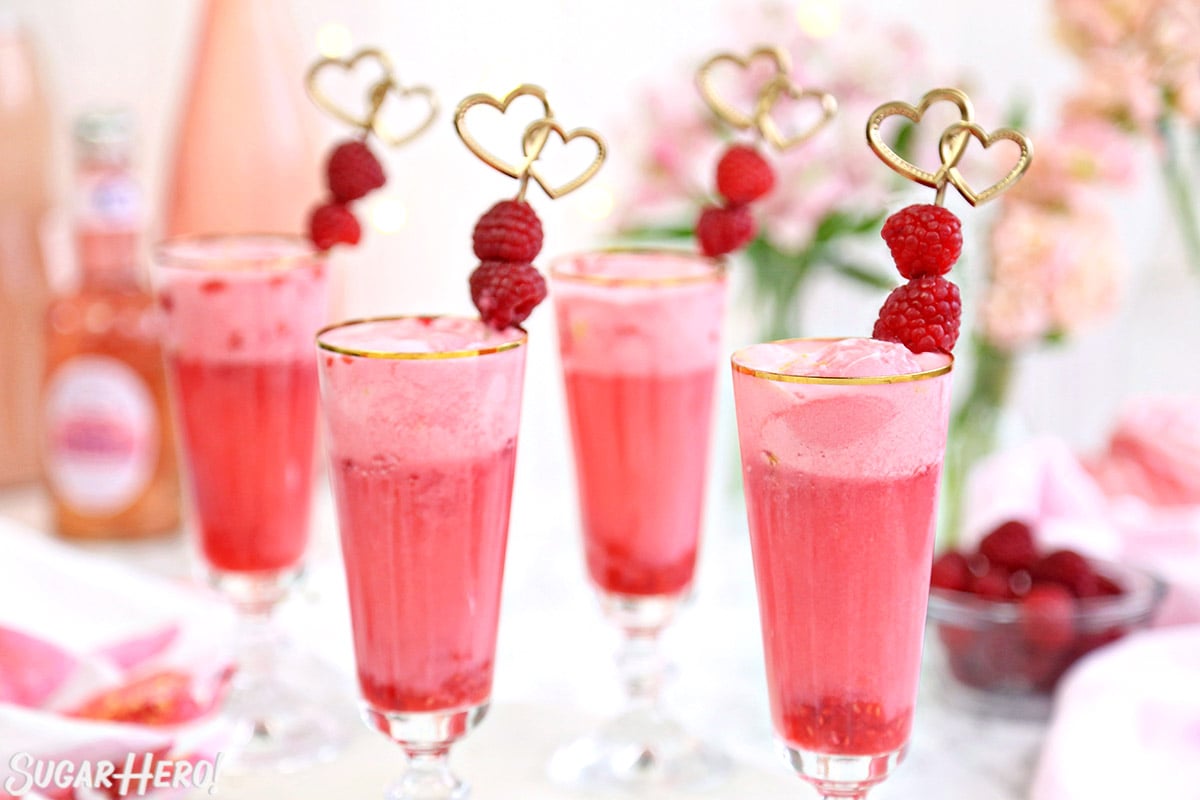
(1075, 158)
(1121, 88)
(1091, 24)
(1054, 271)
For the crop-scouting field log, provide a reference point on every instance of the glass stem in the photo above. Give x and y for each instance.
(428, 776)
(258, 644)
(643, 668)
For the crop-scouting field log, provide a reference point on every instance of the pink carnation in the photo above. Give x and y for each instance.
(1054, 270)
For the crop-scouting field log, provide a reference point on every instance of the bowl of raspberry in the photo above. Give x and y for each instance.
(1009, 618)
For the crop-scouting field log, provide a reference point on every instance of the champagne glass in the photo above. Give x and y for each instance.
(240, 312)
(422, 416)
(639, 332)
(841, 479)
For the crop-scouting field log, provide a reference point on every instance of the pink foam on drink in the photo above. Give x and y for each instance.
(241, 299)
(860, 430)
(444, 404)
(619, 319)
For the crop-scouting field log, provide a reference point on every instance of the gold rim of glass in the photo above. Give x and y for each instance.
(399, 356)
(716, 272)
(164, 254)
(875, 380)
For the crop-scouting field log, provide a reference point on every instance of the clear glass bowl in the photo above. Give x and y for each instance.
(992, 658)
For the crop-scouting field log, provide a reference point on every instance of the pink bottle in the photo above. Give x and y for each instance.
(245, 158)
(24, 198)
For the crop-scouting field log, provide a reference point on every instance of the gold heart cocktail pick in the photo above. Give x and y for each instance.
(369, 119)
(775, 89)
(725, 110)
(952, 145)
(949, 156)
(529, 154)
(782, 86)
(533, 141)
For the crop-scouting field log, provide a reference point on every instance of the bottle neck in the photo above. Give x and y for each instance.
(110, 274)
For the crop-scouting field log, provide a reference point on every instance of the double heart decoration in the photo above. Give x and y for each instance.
(952, 145)
(386, 87)
(533, 142)
(777, 87)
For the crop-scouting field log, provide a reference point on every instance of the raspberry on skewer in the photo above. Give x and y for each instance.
(506, 287)
(723, 230)
(352, 170)
(743, 174)
(926, 240)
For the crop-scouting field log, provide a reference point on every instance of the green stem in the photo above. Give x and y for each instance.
(973, 429)
(1181, 194)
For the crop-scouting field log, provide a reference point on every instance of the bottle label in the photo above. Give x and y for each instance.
(110, 201)
(102, 436)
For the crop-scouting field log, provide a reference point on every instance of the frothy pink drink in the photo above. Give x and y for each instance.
(240, 316)
(842, 445)
(639, 336)
(422, 415)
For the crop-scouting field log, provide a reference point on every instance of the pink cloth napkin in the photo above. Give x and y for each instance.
(1127, 723)
(98, 661)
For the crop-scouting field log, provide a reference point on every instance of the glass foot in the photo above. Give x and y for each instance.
(426, 738)
(289, 719)
(843, 776)
(639, 749)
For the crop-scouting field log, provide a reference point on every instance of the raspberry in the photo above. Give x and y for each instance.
(352, 171)
(743, 175)
(162, 698)
(950, 571)
(1010, 546)
(509, 231)
(992, 585)
(1069, 569)
(332, 224)
(723, 230)
(923, 315)
(1046, 616)
(1107, 587)
(505, 293)
(924, 240)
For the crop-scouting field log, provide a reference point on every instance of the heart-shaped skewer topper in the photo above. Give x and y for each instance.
(536, 136)
(778, 58)
(952, 145)
(775, 88)
(384, 87)
(782, 86)
(916, 113)
(955, 139)
(533, 141)
(487, 156)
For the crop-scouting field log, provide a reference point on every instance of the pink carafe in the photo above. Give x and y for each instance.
(246, 158)
(24, 199)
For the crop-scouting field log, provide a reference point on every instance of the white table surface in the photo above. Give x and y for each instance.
(555, 677)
